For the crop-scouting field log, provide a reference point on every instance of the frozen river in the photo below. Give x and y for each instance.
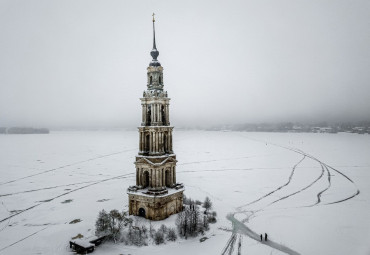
(309, 192)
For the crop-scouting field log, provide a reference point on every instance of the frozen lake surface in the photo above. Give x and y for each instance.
(309, 192)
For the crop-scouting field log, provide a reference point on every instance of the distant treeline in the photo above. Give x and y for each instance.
(23, 130)
(361, 127)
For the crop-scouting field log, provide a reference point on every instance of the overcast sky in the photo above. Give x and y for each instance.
(83, 63)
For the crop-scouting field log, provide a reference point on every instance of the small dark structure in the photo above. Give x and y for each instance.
(97, 240)
(81, 247)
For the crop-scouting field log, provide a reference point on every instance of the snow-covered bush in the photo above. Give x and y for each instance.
(212, 217)
(163, 229)
(171, 235)
(158, 237)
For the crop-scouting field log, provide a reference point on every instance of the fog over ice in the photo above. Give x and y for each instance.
(83, 63)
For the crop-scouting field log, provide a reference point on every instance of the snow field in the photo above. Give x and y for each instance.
(64, 176)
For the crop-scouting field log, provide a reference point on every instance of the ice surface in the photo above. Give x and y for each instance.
(290, 186)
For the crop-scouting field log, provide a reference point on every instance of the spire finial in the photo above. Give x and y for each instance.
(154, 46)
(154, 53)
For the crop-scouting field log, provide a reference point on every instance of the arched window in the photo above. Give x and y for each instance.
(150, 80)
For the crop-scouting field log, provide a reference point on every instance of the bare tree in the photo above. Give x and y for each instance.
(207, 204)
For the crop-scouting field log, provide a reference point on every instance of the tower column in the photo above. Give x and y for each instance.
(160, 114)
(152, 112)
(168, 115)
(139, 176)
(141, 141)
(174, 174)
(142, 114)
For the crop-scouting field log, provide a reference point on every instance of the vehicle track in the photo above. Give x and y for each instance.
(65, 166)
(354, 194)
(238, 226)
(66, 193)
(22, 239)
(278, 188)
(34, 190)
(229, 247)
(299, 191)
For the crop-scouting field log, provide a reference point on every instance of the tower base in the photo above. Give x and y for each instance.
(155, 207)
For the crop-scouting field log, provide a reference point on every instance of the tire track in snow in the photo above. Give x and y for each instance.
(65, 166)
(299, 191)
(66, 193)
(354, 194)
(22, 239)
(230, 244)
(324, 190)
(34, 190)
(240, 245)
(278, 188)
(7, 224)
(324, 167)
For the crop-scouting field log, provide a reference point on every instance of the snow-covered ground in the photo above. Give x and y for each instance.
(309, 192)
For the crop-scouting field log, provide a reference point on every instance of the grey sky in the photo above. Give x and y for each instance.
(83, 63)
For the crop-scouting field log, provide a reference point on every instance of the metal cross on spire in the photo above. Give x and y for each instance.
(154, 53)
(154, 46)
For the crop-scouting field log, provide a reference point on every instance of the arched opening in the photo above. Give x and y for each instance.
(142, 212)
(150, 80)
(160, 79)
(163, 116)
(145, 181)
(147, 138)
(168, 178)
(149, 115)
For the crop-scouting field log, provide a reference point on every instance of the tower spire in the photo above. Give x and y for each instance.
(154, 53)
(154, 46)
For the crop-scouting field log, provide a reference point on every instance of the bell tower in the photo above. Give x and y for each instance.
(156, 194)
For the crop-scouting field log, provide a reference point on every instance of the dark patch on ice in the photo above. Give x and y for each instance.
(103, 200)
(79, 236)
(67, 201)
(15, 211)
(38, 225)
(203, 239)
(45, 201)
(75, 221)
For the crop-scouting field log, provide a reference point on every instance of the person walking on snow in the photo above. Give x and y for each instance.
(261, 237)
(265, 237)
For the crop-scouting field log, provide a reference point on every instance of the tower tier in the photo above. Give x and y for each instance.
(155, 140)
